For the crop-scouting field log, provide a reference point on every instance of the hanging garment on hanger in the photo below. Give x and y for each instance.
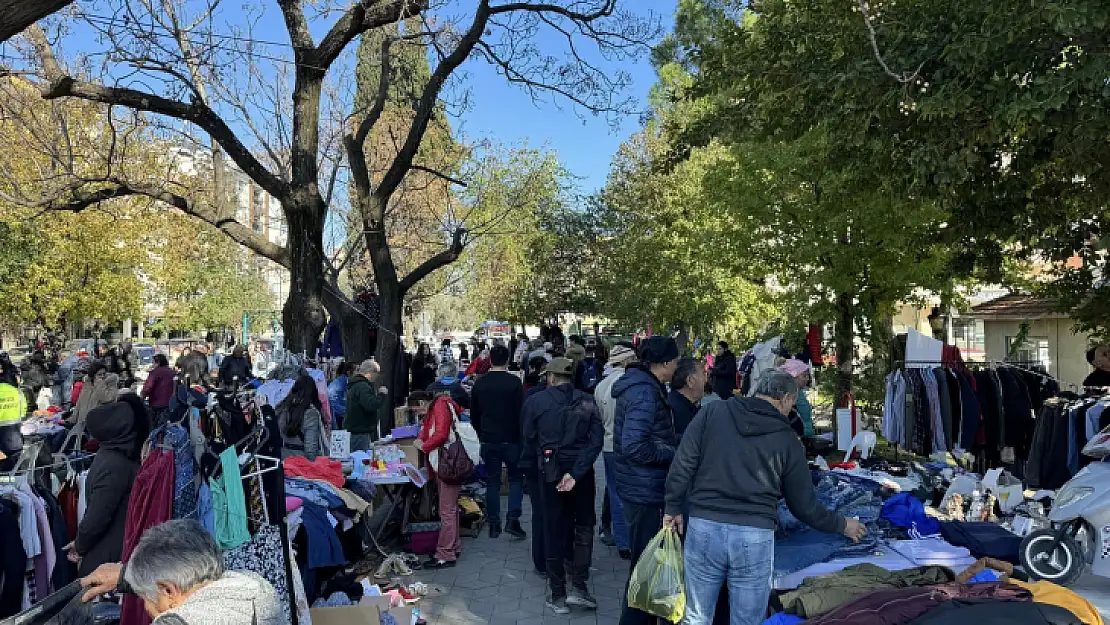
(936, 419)
(229, 503)
(956, 405)
(67, 499)
(263, 554)
(45, 561)
(82, 502)
(13, 561)
(945, 403)
(894, 409)
(151, 504)
(970, 415)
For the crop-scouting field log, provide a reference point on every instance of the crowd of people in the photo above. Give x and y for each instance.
(678, 445)
(680, 448)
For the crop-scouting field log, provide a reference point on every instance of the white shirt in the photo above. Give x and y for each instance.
(607, 405)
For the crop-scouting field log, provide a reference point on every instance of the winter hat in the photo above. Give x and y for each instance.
(794, 367)
(658, 349)
(620, 355)
(561, 366)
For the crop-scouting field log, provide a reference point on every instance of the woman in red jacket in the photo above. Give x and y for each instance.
(431, 440)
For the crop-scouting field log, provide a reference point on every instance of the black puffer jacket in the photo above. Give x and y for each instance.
(644, 437)
(108, 485)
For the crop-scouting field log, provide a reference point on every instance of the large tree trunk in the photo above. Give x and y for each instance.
(303, 316)
(15, 15)
(845, 344)
(354, 326)
(389, 332)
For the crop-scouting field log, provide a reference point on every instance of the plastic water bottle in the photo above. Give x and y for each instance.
(975, 512)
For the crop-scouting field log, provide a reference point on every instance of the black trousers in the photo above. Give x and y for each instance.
(643, 522)
(569, 520)
(532, 486)
(606, 514)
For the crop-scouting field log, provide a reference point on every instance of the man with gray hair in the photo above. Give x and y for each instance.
(736, 460)
(364, 405)
(178, 572)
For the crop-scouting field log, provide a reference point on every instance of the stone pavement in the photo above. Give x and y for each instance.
(494, 583)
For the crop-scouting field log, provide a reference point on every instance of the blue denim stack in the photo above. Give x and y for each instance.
(797, 546)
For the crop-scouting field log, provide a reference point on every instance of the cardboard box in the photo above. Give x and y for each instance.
(400, 416)
(367, 612)
(413, 455)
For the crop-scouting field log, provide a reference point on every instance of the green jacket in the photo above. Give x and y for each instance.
(818, 595)
(363, 407)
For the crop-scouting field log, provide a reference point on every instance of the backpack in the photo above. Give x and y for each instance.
(591, 374)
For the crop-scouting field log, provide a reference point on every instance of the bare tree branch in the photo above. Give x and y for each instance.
(442, 259)
(439, 174)
(80, 199)
(61, 85)
(365, 15)
(15, 15)
(902, 78)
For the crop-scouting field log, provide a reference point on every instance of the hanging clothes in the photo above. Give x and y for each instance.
(956, 404)
(13, 562)
(936, 419)
(945, 402)
(67, 499)
(971, 416)
(229, 504)
(151, 504)
(894, 409)
(263, 554)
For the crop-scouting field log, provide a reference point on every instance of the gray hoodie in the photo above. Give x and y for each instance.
(237, 598)
(737, 459)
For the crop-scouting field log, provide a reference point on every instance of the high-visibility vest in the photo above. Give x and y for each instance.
(13, 405)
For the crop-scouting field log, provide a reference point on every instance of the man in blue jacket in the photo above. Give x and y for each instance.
(644, 443)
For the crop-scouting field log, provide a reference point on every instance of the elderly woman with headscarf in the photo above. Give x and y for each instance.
(800, 372)
(178, 572)
(120, 424)
(301, 421)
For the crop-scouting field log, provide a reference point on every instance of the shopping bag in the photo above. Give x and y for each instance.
(657, 585)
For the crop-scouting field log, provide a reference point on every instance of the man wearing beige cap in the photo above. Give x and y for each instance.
(562, 439)
(619, 358)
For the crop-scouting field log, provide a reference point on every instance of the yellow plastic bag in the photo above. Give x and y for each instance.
(657, 583)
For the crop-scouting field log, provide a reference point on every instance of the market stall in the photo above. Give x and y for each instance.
(973, 461)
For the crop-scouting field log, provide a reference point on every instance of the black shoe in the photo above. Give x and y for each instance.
(581, 598)
(494, 531)
(606, 538)
(625, 554)
(433, 563)
(558, 605)
(540, 573)
(515, 530)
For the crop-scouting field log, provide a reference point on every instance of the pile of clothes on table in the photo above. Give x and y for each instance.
(913, 566)
(323, 511)
(984, 594)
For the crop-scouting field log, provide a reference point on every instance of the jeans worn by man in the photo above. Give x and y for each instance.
(723, 553)
(495, 456)
(736, 460)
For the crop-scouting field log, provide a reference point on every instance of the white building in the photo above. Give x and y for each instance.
(256, 209)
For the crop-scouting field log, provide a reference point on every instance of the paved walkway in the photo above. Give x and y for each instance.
(494, 583)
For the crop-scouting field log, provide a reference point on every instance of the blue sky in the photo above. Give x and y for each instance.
(499, 111)
(585, 144)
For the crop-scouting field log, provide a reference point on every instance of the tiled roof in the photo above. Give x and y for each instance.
(1018, 307)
